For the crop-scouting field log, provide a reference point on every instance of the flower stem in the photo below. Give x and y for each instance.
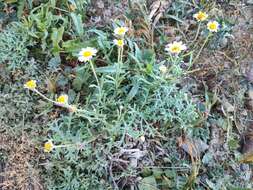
(197, 34)
(94, 72)
(52, 101)
(120, 60)
(67, 106)
(43, 96)
(121, 54)
(202, 47)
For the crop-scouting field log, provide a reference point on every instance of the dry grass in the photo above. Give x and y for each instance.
(17, 170)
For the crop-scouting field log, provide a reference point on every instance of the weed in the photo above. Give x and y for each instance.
(126, 101)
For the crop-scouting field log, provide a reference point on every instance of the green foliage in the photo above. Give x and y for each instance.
(47, 27)
(133, 97)
(42, 22)
(13, 44)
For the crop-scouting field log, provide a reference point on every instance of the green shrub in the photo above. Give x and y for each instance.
(13, 44)
(131, 100)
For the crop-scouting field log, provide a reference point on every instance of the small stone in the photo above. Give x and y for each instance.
(142, 138)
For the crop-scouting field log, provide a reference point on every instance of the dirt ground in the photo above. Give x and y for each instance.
(225, 71)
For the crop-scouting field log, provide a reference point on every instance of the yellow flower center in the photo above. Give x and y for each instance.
(120, 42)
(48, 146)
(63, 99)
(121, 31)
(175, 49)
(212, 26)
(201, 16)
(87, 53)
(31, 84)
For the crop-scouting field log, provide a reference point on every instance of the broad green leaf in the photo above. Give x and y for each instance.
(176, 18)
(138, 53)
(77, 20)
(107, 69)
(157, 173)
(54, 62)
(52, 3)
(56, 37)
(148, 56)
(148, 183)
(149, 68)
(99, 33)
(21, 5)
(146, 172)
(81, 77)
(135, 59)
(133, 91)
(72, 45)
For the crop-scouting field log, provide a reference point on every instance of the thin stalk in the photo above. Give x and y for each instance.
(44, 97)
(52, 101)
(87, 114)
(94, 72)
(197, 34)
(202, 47)
(119, 54)
(120, 60)
(75, 144)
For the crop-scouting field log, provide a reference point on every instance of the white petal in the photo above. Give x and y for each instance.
(94, 51)
(184, 47)
(81, 58)
(81, 53)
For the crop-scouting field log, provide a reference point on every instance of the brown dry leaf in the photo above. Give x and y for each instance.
(51, 85)
(154, 8)
(247, 158)
(157, 9)
(194, 147)
(247, 141)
